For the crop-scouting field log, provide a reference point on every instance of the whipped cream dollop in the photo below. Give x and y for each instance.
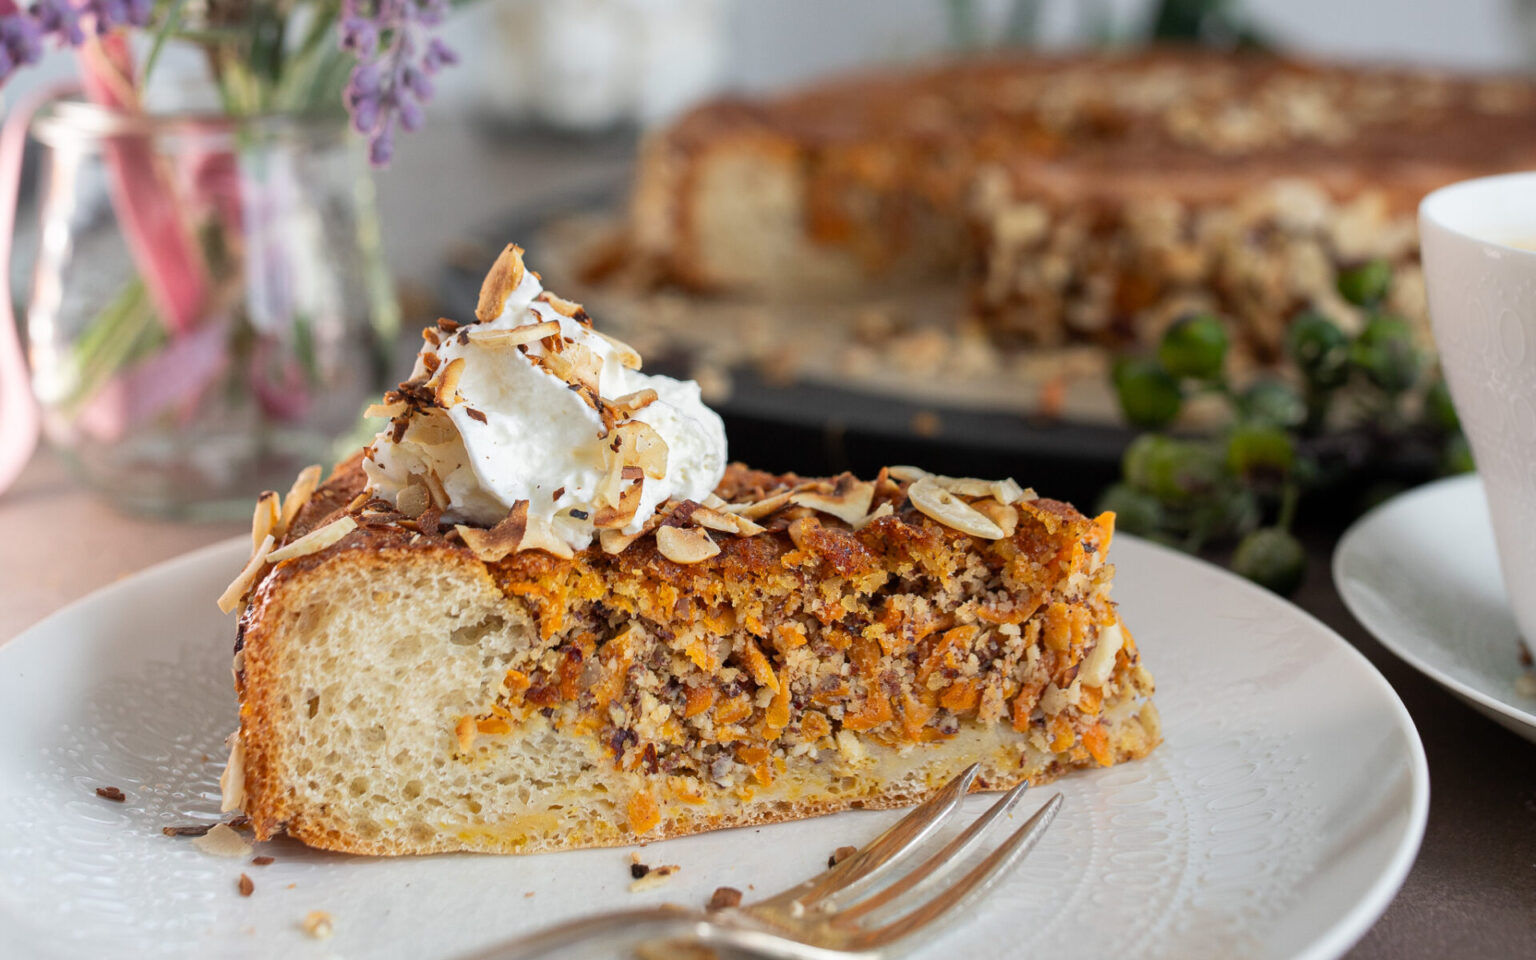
(532, 405)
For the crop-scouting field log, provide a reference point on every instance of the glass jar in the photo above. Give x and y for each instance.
(208, 302)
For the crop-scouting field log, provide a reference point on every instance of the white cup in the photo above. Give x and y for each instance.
(1479, 247)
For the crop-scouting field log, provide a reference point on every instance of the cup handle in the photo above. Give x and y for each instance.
(19, 420)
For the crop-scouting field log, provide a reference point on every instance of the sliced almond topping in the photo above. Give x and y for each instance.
(584, 367)
(230, 598)
(432, 428)
(222, 841)
(232, 780)
(632, 403)
(849, 503)
(615, 517)
(527, 333)
(435, 489)
(964, 486)
(386, 411)
(725, 522)
(650, 451)
(1009, 492)
(906, 473)
(541, 536)
(506, 276)
(627, 354)
(685, 544)
(447, 389)
(517, 532)
(413, 500)
(884, 510)
(936, 502)
(1004, 515)
(315, 540)
(614, 541)
(564, 307)
(303, 488)
(760, 509)
(266, 518)
(504, 538)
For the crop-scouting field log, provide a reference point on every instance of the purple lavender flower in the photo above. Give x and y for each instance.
(390, 84)
(62, 22)
(21, 43)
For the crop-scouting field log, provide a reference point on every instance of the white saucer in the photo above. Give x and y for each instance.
(1277, 820)
(1421, 572)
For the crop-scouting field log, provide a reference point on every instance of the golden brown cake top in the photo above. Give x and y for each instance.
(1161, 107)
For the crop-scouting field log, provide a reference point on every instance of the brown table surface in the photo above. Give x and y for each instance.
(1472, 892)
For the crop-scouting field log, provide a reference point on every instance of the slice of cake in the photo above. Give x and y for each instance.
(540, 612)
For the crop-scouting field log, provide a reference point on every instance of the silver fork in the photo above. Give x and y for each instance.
(832, 916)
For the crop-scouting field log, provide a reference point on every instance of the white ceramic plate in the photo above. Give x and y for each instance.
(1421, 572)
(1278, 819)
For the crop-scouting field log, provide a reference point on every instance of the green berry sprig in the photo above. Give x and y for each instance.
(1242, 482)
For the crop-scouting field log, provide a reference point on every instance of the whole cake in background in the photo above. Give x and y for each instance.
(1078, 199)
(541, 611)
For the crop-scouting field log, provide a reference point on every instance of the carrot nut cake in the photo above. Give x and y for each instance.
(540, 611)
(1085, 198)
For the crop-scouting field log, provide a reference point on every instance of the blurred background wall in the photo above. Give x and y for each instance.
(511, 48)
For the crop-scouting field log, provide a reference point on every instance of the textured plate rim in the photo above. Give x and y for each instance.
(1350, 546)
(1337, 940)
(1329, 943)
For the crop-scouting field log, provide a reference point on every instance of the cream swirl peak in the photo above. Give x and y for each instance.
(532, 423)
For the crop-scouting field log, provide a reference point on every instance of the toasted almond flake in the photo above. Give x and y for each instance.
(386, 411)
(616, 517)
(505, 276)
(266, 518)
(884, 510)
(564, 307)
(614, 541)
(317, 923)
(632, 403)
(725, 522)
(304, 486)
(527, 333)
(517, 532)
(232, 780)
(1008, 492)
(849, 504)
(413, 500)
(685, 544)
(628, 356)
(964, 486)
(435, 488)
(584, 368)
(905, 473)
(222, 841)
(235, 592)
(315, 540)
(541, 536)
(936, 502)
(1005, 516)
(447, 390)
(761, 508)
